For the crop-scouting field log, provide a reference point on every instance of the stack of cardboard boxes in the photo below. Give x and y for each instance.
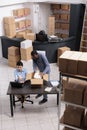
(13, 56)
(9, 26)
(75, 93)
(70, 58)
(62, 16)
(21, 12)
(31, 36)
(51, 25)
(26, 49)
(60, 51)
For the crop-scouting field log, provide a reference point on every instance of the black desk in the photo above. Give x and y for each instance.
(28, 90)
(49, 47)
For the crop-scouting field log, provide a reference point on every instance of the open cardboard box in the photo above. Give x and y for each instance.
(36, 81)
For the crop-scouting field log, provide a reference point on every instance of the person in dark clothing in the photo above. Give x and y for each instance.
(40, 62)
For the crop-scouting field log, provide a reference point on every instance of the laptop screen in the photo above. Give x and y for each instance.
(16, 84)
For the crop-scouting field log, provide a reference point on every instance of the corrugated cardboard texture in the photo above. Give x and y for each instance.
(73, 116)
(74, 93)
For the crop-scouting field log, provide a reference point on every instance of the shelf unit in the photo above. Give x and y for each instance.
(61, 13)
(20, 19)
(83, 44)
(61, 122)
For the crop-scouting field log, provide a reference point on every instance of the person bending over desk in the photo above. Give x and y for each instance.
(40, 62)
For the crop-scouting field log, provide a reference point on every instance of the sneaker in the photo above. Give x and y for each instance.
(43, 101)
(38, 95)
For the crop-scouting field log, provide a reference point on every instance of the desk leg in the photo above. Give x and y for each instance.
(14, 100)
(11, 104)
(57, 98)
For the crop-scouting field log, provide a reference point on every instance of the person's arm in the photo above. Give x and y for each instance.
(34, 66)
(15, 75)
(47, 68)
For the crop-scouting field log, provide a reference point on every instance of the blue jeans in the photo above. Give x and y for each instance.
(45, 95)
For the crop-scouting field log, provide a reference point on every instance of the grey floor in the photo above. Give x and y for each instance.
(31, 117)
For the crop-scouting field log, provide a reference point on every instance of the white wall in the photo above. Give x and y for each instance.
(44, 13)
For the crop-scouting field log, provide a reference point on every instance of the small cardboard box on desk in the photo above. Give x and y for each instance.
(37, 81)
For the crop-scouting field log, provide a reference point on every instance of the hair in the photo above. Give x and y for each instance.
(19, 63)
(34, 52)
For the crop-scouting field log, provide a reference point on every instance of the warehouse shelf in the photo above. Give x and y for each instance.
(69, 126)
(72, 104)
(61, 119)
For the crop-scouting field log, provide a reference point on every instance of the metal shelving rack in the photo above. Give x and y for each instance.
(61, 100)
(83, 44)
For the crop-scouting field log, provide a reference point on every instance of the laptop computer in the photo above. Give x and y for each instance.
(20, 85)
(16, 84)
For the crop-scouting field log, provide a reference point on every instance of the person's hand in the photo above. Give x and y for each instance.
(41, 74)
(20, 79)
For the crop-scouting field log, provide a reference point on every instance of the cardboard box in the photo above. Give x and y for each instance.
(18, 12)
(82, 65)
(21, 34)
(26, 44)
(12, 64)
(64, 17)
(27, 22)
(26, 53)
(57, 16)
(10, 26)
(60, 51)
(14, 51)
(12, 58)
(10, 29)
(36, 81)
(20, 24)
(63, 61)
(31, 36)
(72, 67)
(74, 93)
(27, 11)
(85, 98)
(28, 31)
(57, 25)
(65, 26)
(64, 35)
(55, 6)
(64, 6)
(10, 33)
(9, 20)
(73, 116)
(51, 25)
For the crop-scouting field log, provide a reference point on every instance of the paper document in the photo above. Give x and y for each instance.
(48, 89)
(54, 83)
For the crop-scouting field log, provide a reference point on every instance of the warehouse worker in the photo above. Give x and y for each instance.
(40, 62)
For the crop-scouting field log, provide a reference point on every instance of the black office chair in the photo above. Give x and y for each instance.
(23, 98)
